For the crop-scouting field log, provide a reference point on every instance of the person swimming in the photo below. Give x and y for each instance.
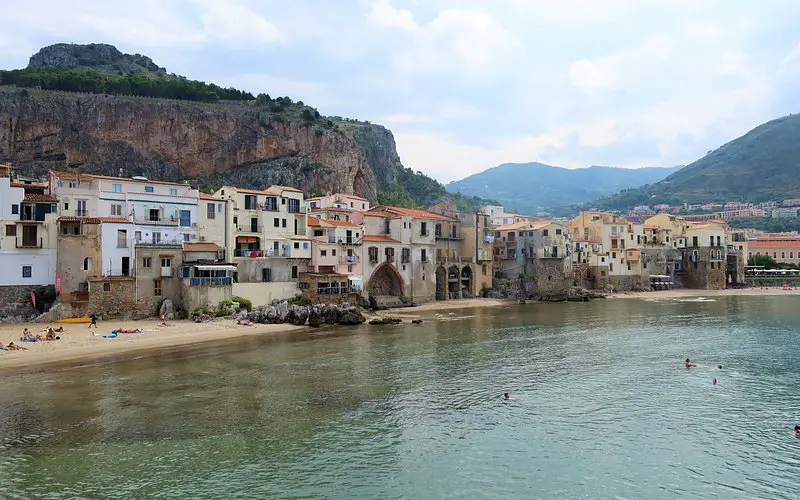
(719, 367)
(689, 364)
(714, 381)
(796, 431)
(506, 395)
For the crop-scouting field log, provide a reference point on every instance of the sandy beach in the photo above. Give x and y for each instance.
(79, 344)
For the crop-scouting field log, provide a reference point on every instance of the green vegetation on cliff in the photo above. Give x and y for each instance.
(777, 225)
(759, 166)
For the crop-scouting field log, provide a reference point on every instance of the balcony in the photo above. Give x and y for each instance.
(81, 213)
(155, 243)
(227, 281)
(166, 272)
(261, 253)
(347, 241)
(28, 243)
(349, 259)
(160, 221)
(250, 229)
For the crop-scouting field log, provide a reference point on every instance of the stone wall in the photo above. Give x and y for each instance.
(250, 270)
(700, 274)
(626, 283)
(551, 280)
(261, 294)
(10, 307)
(113, 297)
(204, 296)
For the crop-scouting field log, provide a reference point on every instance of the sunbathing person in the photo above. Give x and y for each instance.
(244, 322)
(51, 335)
(13, 347)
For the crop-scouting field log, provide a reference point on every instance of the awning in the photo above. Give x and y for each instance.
(247, 239)
(215, 268)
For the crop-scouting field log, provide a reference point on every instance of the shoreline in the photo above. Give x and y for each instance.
(79, 346)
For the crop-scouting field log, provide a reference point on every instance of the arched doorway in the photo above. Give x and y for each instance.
(466, 281)
(441, 283)
(385, 281)
(454, 282)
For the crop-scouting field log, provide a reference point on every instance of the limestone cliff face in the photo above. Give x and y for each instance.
(174, 140)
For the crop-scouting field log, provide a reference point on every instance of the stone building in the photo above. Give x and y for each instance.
(206, 278)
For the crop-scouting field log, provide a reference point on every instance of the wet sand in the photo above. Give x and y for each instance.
(685, 293)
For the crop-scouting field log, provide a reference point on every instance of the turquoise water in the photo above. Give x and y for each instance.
(601, 408)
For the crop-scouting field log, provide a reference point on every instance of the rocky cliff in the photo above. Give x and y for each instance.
(241, 143)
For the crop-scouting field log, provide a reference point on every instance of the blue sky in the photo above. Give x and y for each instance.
(466, 85)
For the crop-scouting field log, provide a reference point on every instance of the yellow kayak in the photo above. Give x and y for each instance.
(73, 320)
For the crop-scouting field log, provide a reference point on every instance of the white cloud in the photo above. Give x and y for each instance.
(384, 15)
(230, 21)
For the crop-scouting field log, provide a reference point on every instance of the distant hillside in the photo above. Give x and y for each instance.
(529, 187)
(762, 165)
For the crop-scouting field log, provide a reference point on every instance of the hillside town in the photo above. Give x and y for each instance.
(119, 246)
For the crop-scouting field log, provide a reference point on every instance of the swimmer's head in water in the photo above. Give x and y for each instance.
(719, 367)
(687, 360)
(505, 395)
(797, 428)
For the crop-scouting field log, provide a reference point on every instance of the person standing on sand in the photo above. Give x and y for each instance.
(94, 321)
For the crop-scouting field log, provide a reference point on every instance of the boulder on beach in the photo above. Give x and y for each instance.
(298, 315)
(330, 314)
(315, 316)
(352, 316)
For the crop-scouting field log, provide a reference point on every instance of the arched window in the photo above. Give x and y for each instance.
(87, 264)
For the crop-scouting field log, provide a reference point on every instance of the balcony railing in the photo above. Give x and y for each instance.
(81, 213)
(249, 229)
(261, 253)
(347, 241)
(29, 244)
(162, 242)
(227, 281)
(160, 221)
(349, 259)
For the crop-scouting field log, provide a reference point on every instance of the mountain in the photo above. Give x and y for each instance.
(91, 108)
(761, 165)
(530, 187)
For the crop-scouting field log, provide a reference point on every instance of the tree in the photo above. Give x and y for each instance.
(762, 260)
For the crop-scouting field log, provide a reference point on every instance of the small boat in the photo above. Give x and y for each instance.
(73, 320)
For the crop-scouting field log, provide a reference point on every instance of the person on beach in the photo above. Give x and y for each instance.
(689, 364)
(13, 347)
(94, 321)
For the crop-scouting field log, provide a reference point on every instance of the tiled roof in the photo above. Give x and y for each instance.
(204, 196)
(314, 222)
(276, 190)
(773, 243)
(24, 185)
(116, 220)
(201, 247)
(85, 220)
(514, 226)
(355, 197)
(380, 238)
(340, 223)
(412, 212)
(41, 198)
(378, 212)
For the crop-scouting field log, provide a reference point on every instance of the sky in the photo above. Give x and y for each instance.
(465, 85)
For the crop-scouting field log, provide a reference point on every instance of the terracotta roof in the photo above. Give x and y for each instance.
(201, 247)
(250, 191)
(340, 223)
(773, 243)
(334, 209)
(514, 226)
(412, 212)
(320, 275)
(79, 175)
(24, 185)
(276, 190)
(314, 222)
(355, 197)
(314, 198)
(380, 238)
(204, 196)
(42, 198)
(377, 212)
(116, 220)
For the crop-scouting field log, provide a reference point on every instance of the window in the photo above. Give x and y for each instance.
(423, 228)
(147, 261)
(318, 233)
(349, 268)
(783, 255)
(611, 267)
(283, 222)
(294, 272)
(305, 246)
(694, 241)
(266, 275)
(11, 230)
(558, 231)
(88, 264)
(66, 206)
(173, 192)
(210, 215)
(27, 271)
(148, 189)
(333, 252)
(389, 252)
(106, 286)
(483, 269)
(276, 222)
(613, 255)
(774, 255)
(14, 209)
(137, 235)
(423, 255)
(373, 254)
(219, 208)
(296, 245)
(156, 237)
(117, 188)
(122, 238)
(185, 218)
(116, 210)
(629, 266)
(294, 206)
(405, 255)
(166, 262)
(323, 253)
(157, 287)
(545, 232)
(154, 215)
(186, 237)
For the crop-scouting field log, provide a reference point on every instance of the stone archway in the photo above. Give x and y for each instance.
(454, 282)
(466, 280)
(385, 281)
(441, 283)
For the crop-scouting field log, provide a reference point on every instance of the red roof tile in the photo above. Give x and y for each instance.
(340, 223)
(412, 212)
(773, 243)
(380, 238)
(85, 220)
(41, 198)
(204, 196)
(201, 247)
(314, 222)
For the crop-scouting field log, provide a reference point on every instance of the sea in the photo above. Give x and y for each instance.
(600, 406)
